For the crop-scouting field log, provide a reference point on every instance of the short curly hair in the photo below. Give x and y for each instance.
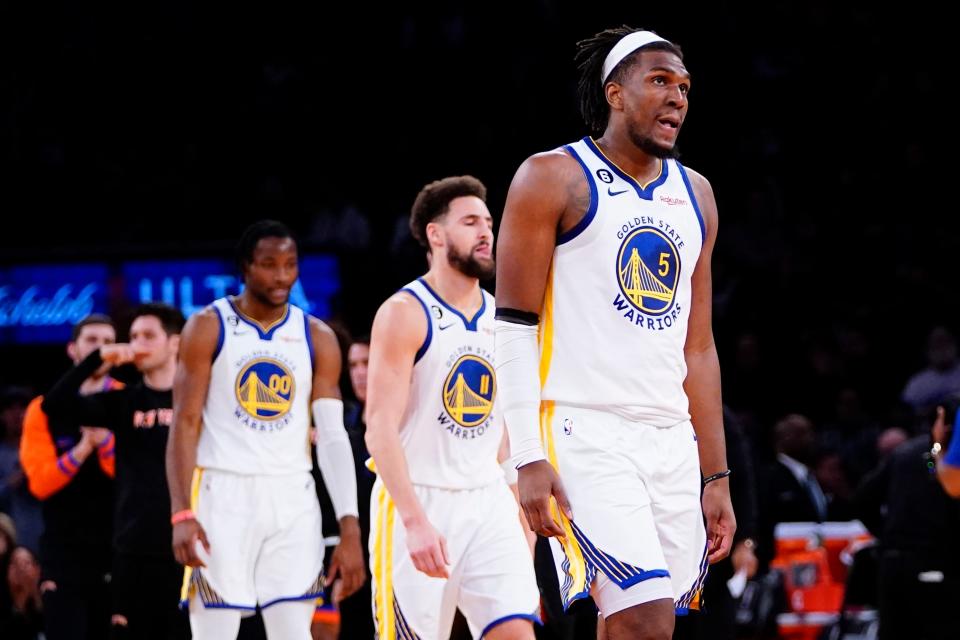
(434, 200)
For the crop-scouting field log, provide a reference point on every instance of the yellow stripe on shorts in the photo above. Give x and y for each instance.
(185, 591)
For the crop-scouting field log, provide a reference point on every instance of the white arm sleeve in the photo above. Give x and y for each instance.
(335, 457)
(518, 384)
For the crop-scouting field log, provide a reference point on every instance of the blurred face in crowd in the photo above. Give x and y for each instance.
(270, 276)
(889, 440)
(11, 423)
(941, 349)
(357, 358)
(148, 337)
(796, 439)
(23, 574)
(91, 338)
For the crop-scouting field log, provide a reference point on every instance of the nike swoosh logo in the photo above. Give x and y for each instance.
(611, 192)
(442, 327)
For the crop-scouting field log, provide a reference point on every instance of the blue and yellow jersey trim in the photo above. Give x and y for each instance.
(187, 587)
(390, 621)
(692, 599)
(644, 191)
(265, 331)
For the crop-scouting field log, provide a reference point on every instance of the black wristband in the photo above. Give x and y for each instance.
(517, 316)
(716, 476)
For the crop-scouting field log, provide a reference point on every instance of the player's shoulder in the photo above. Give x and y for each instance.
(402, 311)
(203, 322)
(545, 182)
(403, 304)
(316, 324)
(699, 182)
(556, 165)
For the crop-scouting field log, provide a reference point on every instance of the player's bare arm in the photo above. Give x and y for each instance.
(702, 385)
(399, 329)
(197, 345)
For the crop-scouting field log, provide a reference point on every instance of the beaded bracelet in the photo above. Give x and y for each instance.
(716, 476)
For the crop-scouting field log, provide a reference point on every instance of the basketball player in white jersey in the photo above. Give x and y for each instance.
(445, 527)
(605, 352)
(253, 368)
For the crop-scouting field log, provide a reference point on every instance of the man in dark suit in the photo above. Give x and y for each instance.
(789, 491)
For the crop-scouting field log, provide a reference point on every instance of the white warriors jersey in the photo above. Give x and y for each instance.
(615, 314)
(257, 415)
(450, 432)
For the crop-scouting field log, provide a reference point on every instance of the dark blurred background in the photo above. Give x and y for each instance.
(161, 130)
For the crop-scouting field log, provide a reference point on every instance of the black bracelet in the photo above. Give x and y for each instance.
(716, 476)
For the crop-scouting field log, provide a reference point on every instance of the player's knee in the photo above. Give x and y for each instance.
(516, 629)
(649, 621)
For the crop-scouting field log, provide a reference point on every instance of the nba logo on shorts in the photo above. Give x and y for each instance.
(567, 426)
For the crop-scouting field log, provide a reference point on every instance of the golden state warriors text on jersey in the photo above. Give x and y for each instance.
(265, 387)
(468, 392)
(617, 303)
(451, 430)
(648, 271)
(257, 415)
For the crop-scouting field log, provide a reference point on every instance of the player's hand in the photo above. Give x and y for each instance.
(536, 482)
(185, 536)
(119, 353)
(428, 549)
(347, 560)
(721, 523)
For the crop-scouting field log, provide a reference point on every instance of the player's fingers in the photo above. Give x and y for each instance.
(533, 520)
(561, 495)
(443, 551)
(193, 560)
(548, 526)
(202, 535)
(420, 563)
(721, 549)
(354, 583)
(438, 561)
(332, 570)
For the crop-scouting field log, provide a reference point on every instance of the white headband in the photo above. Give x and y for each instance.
(627, 45)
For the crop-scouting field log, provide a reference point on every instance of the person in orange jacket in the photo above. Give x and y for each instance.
(73, 477)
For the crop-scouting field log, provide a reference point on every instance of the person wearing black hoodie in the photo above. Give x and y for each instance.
(146, 577)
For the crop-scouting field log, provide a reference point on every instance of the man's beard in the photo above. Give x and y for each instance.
(469, 265)
(265, 299)
(649, 147)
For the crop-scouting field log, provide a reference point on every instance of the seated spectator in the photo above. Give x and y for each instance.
(22, 616)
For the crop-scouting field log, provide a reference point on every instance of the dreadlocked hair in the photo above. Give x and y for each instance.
(590, 56)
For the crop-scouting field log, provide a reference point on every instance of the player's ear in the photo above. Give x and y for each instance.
(434, 234)
(614, 93)
(72, 350)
